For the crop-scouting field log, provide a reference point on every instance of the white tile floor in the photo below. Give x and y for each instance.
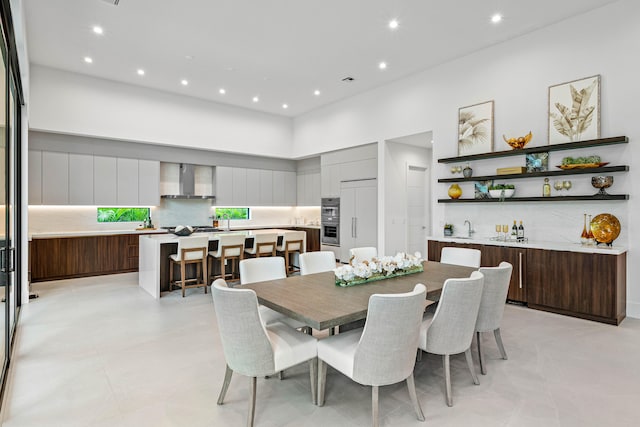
(100, 352)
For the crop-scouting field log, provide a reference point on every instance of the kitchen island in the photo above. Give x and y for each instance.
(153, 274)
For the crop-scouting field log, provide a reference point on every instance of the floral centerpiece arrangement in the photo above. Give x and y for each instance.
(358, 272)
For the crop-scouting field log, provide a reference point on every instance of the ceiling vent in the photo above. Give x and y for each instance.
(348, 79)
(113, 2)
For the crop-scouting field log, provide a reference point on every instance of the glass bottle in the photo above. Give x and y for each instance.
(584, 237)
(546, 188)
(514, 230)
(521, 232)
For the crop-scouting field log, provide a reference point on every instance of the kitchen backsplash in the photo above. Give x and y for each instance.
(47, 219)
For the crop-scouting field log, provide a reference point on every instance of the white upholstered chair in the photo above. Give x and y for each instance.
(460, 256)
(259, 270)
(451, 329)
(383, 352)
(230, 248)
(494, 297)
(253, 349)
(364, 253)
(317, 262)
(292, 242)
(191, 250)
(264, 244)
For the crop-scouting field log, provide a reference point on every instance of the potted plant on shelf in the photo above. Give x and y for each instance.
(448, 229)
(499, 191)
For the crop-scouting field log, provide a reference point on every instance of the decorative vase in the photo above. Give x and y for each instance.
(455, 191)
(467, 172)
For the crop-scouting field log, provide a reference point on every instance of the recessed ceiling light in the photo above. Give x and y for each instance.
(184, 82)
(88, 60)
(496, 18)
(140, 72)
(221, 91)
(188, 57)
(285, 106)
(393, 24)
(98, 30)
(316, 92)
(255, 99)
(432, 141)
(382, 65)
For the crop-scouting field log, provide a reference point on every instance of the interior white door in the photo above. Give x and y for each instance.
(416, 210)
(366, 223)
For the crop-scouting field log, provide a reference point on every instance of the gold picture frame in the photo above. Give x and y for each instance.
(574, 111)
(475, 129)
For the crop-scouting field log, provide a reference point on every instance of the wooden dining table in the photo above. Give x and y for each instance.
(315, 300)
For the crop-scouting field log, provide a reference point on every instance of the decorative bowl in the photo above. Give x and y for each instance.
(182, 230)
(605, 228)
(496, 194)
(601, 182)
(518, 143)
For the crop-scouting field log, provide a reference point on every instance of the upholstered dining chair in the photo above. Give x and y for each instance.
(230, 248)
(364, 253)
(317, 262)
(253, 349)
(382, 353)
(261, 269)
(292, 242)
(191, 250)
(460, 256)
(494, 297)
(451, 329)
(264, 244)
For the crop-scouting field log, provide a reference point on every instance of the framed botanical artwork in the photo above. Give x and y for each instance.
(574, 110)
(475, 129)
(537, 162)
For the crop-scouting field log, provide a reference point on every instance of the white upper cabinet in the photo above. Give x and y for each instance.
(148, 183)
(105, 175)
(127, 182)
(266, 188)
(347, 165)
(80, 179)
(290, 188)
(55, 178)
(278, 188)
(308, 189)
(224, 186)
(239, 187)
(253, 187)
(35, 177)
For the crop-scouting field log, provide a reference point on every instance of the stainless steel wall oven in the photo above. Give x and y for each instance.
(330, 218)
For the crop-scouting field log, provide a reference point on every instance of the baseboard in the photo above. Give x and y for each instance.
(633, 309)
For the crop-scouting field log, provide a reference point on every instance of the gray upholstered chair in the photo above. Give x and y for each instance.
(451, 329)
(364, 253)
(191, 250)
(383, 352)
(494, 296)
(460, 256)
(259, 270)
(253, 349)
(317, 262)
(264, 244)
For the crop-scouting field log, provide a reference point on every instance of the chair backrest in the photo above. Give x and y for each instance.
(246, 345)
(364, 253)
(386, 353)
(293, 241)
(494, 296)
(260, 269)
(236, 241)
(193, 242)
(460, 256)
(265, 243)
(454, 321)
(317, 262)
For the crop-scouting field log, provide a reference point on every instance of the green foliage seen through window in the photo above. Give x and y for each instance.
(233, 213)
(122, 214)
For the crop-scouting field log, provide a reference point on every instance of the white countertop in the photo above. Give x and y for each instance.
(54, 234)
(172, 238)
(554, 246)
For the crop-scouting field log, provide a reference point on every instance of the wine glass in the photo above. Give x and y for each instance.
(498, 230)
(558, 185)
(566, 185)
(505, 230)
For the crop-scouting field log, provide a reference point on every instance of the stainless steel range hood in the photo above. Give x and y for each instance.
(187, 185)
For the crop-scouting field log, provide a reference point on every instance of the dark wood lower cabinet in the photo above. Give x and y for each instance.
(313, 238)
(586, 285)
(71, 257)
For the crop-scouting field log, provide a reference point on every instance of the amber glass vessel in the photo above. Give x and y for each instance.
(584, 237)
(455, 191)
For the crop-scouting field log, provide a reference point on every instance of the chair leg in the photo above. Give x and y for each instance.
(281, 375)
(411, 386)
(225, 385)
(447, 379)
(496, 333)
(374, 405)
(252, 402)
(472, 369)
(313, 376)
(170, 275)
(183, 276)
(419, 355)
(483, 368)
(205, 277)
(322, 379)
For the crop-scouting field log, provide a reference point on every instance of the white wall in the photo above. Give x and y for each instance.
(516, 75)
(64, 102)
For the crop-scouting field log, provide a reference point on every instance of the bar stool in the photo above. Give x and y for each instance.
(191, 250)
(264, 244)
(230, 247)
(292, 242)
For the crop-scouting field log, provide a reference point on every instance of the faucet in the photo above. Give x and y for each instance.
(470, 231)
(228, 217)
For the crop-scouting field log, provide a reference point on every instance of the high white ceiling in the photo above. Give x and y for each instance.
(279, 50)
